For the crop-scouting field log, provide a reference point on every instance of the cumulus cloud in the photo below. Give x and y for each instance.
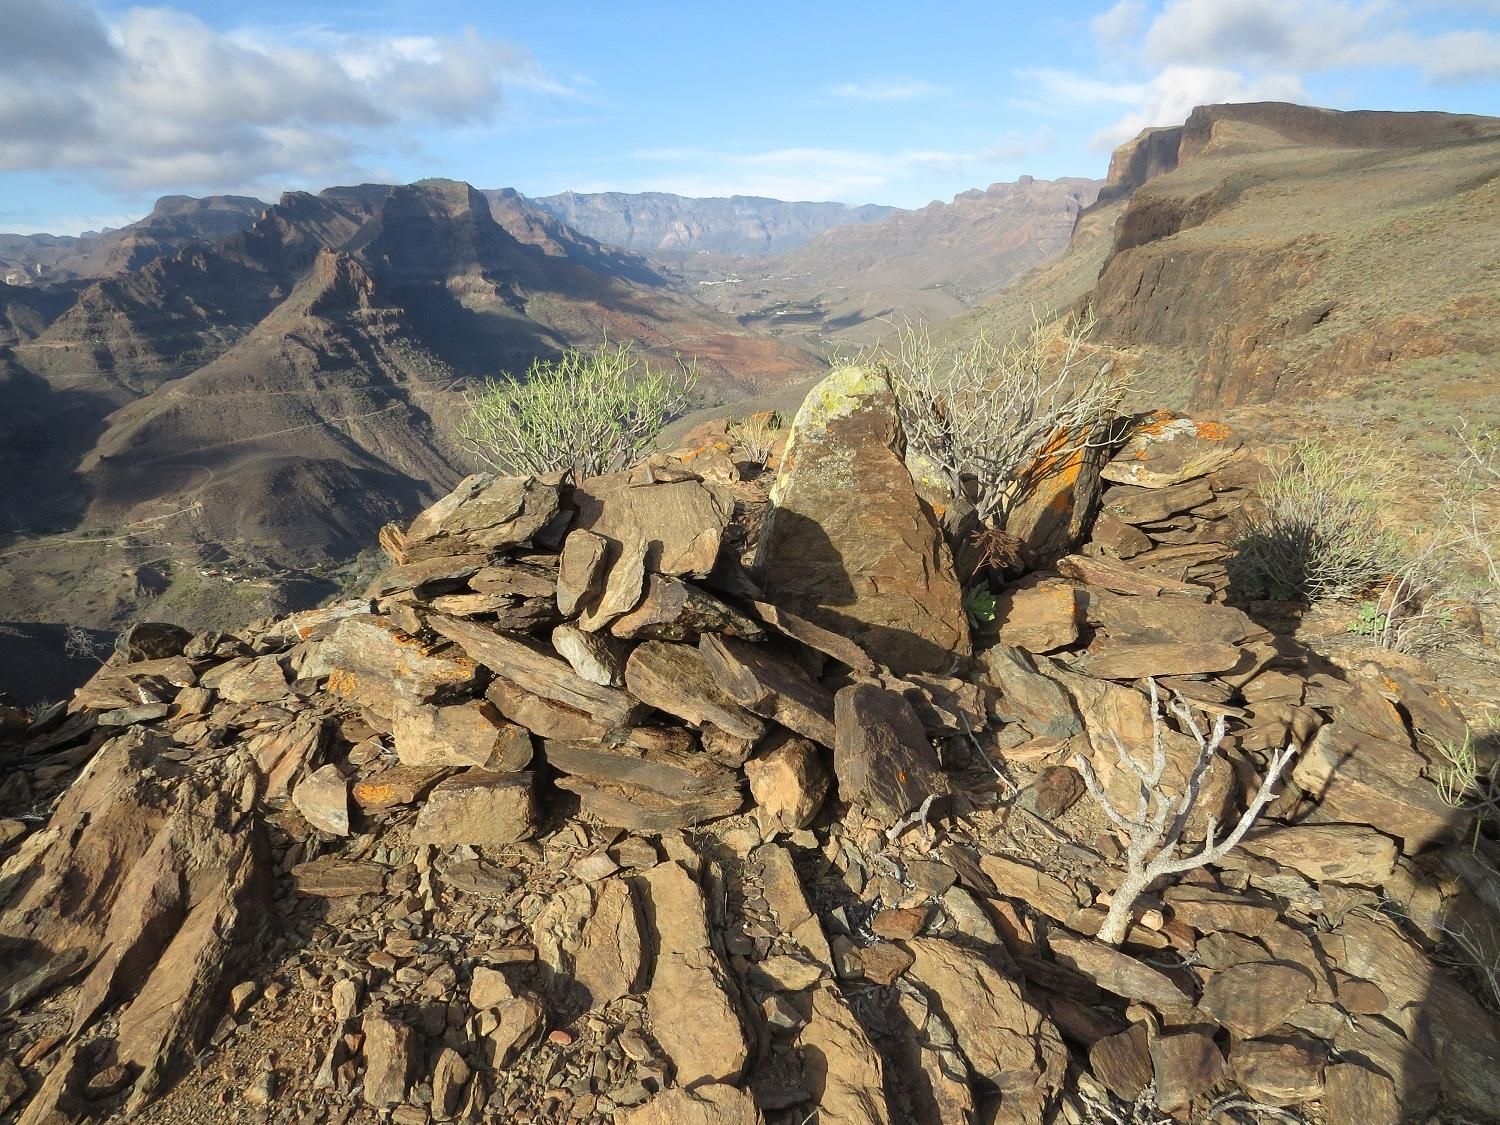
(155, 98)
(887, 90)
(1202, 52)
(847, 174)
(1164, 99)
(1311, 36)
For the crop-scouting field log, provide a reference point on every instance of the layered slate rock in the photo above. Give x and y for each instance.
(149, 883)
(483, 513)
(692, 1014)
(849, 545)
(881, 755)
(370, 661)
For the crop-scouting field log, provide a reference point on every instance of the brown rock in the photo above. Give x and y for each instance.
(1007, 1041)
(1254, 998)
(609, 957)
(674, 610)
(1128, 579)
(676, 679)
(461, 734)
(638, 809)
(1123, 1062)
(1028, 697)
(144, 881)
(1039, 618)
(1356, 1095)
(1052, 793)
(538, 672)
(489, 988)
(1136, 505)
(1116, 538)
(484, 513)
(899, 925)
(1115, 661)
(680, 523)
(450, 1077)
(369, 661)
(428, 577)
(323, 798)
(1137, 620)
(1044, 893)
(815, 637)
(788, 783)
(712, 1103)
(881, 756)
(1186, 1064)
(1116, 971)
(1210, 911)
(770, 685)
(839, 1064)
(390, 1048)
(1284, 1072)
(1333, 853)
(259, 681)
(12, 1083)
(1429, 1006)
(1360, 780)
(670, 774)
(1167, 449)
(848, 545)
(521, 1021)
(543, 717)
(883, 962)
(690, 1008)
(1057, 495)
(773, 869)
(328, 876)
(580, 571)
(487, 810)
(530, 580)
(624, 585)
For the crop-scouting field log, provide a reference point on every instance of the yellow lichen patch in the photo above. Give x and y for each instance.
(343, 682)
(374, 793)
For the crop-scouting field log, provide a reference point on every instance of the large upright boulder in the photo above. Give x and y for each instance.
(848, 544)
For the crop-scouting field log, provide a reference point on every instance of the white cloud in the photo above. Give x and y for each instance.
(1312, 36)
(155, 98)
(1119, 23)
(1165, 99)
(887, 90)
(849, 175)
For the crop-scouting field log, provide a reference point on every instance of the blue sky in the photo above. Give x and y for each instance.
(106, 105)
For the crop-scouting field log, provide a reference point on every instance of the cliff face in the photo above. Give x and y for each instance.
(1270, 249)
(656, 222)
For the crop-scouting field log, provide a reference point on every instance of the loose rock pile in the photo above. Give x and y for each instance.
(642, 800)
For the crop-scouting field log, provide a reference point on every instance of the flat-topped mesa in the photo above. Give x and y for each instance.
(848, 544)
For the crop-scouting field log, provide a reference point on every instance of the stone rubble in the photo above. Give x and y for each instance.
(579, 815)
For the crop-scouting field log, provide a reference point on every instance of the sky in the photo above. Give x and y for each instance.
(104, 106)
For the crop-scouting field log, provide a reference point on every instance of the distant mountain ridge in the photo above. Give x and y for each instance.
(656, 222)
(175, 221)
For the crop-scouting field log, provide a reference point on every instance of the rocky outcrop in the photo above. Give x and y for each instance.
(849, 545)
(760, 876)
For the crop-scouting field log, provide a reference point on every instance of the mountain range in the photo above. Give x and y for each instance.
(199, 408)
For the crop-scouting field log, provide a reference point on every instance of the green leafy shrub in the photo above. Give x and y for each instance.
(593, 411)
(1320, 536)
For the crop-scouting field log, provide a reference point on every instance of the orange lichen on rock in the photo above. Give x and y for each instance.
(1214, 431)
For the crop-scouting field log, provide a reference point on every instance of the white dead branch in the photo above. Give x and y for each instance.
(1153, 832)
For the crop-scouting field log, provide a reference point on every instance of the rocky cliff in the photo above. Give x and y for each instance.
(581, 813)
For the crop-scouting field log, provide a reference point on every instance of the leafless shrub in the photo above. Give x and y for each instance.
(983, 418)
(1153, 832)
(757, 435)
(80, 646)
